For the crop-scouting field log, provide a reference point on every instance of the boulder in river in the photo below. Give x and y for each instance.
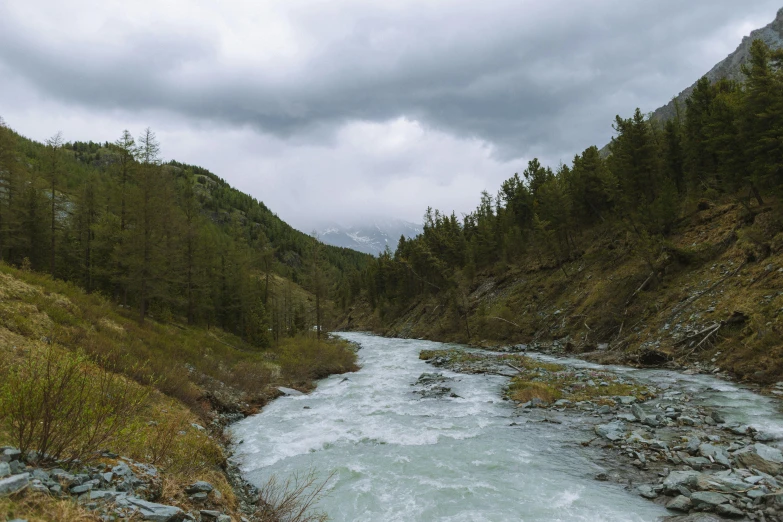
(289, 391)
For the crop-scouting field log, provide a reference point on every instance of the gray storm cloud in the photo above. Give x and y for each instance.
(484, 85)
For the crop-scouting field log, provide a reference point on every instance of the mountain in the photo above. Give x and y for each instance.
(371, 236)
(730, 67)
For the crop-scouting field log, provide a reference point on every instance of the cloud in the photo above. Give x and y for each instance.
(409, 100)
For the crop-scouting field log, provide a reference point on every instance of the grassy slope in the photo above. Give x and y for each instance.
(719, 261)
(198, 373)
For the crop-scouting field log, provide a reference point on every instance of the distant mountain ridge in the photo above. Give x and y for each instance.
(729, 67)
(371, 236)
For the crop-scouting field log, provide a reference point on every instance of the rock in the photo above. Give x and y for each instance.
(724, 481)
(613, 431)
(687, 421)
(647, 491)
(698, 463)
(100, 494)
(122, 470)
(638, 412)
(84, 488)
(761, 436)
(156, 512)
(289, 391)
(5, 469)
(10, 455)
(627, 400)
(210, 514)
(40, 475)
(680, 503)
(677, 479)
(718, 454)
(729, 511)
(561, 403)
(198, 498)
(14, 483)
(199, 487)
(707, 499)
(717, 417)
(761, 457)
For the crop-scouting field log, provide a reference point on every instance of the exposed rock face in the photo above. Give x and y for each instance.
(729, 68)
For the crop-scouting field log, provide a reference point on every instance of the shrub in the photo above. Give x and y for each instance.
(302, 358)
(292, 500)
(60, 405)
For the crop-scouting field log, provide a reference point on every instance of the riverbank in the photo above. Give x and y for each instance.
(659, 441)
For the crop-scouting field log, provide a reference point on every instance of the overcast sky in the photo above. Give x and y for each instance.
(337, 109)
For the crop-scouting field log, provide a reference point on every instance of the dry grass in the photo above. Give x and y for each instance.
(38, 507)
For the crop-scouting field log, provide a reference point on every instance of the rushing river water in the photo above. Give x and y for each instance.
(398, 457)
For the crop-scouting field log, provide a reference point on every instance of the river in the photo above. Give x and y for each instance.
(398, 457)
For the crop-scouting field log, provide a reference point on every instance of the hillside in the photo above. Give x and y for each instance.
(669, 250)
(713, 305)
(169, 240)
(110, 392)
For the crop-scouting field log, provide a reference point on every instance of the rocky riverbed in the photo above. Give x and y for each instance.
(659, 441)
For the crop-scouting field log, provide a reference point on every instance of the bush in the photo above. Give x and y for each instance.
(292, 500)
(302, 359)
(65, 408)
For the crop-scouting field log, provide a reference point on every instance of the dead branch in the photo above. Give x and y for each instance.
(642, 287)
(513, 367)
(506, 321)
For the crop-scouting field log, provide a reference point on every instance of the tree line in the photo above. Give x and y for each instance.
(727, 141)
(165, 239)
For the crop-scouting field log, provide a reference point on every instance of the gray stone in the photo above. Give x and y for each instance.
(756, 492)
(5, 469)
(102, 494)
(707, 499)
(761, 436)
(647, 491)
(729, 511)
(761, 457)
(14, 483)
(680, 503)
(199, 487)
(676, 479)
(223, 518)
(17, 467)
(210, 514)
(122, 470)
(199, 497)
(717, 453)
(627, 400)
(40, 475)
(289, 391)
(561, 403)
(698, 463)
(84, 488)
(687, 421)
(155, 512)
(10, 454)
(638, 412)
(613, 431)
(724, 481)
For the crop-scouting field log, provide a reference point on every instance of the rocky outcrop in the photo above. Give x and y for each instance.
(730, 67)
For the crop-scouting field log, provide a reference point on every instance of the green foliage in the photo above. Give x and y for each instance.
(303, 359)
(63, 407)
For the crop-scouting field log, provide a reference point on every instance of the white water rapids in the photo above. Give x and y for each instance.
(398, 457)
